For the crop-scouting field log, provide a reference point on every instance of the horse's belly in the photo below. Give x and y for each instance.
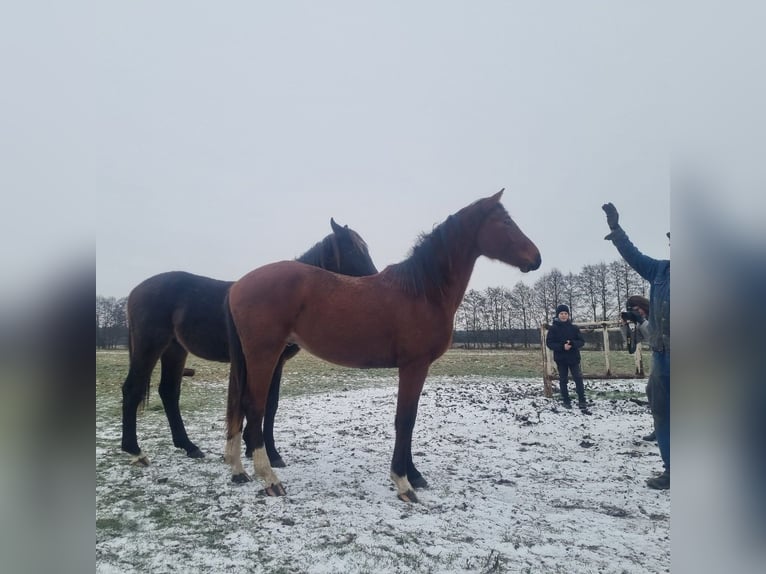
(359, 352)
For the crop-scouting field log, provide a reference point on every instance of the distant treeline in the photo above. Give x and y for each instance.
(528, 339)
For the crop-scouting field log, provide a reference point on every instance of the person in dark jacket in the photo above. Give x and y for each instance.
(565, 340)
(657, 272)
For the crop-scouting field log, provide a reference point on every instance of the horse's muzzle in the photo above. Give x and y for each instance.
(534, 265)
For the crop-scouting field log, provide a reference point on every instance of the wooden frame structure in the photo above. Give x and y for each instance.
(549, 368)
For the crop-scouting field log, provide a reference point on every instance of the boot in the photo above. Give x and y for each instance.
(566, 403)
(582, 403)
(661, 482)
(651, 437)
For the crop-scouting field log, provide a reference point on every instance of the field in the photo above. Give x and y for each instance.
(517, 484)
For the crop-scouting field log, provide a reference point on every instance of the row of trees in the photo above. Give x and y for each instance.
(111, 322)
(597, 293)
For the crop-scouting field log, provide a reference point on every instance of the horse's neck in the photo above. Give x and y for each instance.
(454, 294)
(463, 260)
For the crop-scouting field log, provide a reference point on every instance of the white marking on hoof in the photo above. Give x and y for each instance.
(233, 454)
(409, 497)
(402, 484)
(139, 459)
(262, 467)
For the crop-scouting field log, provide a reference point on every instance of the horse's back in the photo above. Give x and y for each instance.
(185, 306)
(274, 286)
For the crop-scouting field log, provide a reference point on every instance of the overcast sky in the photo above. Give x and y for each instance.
(216, 137)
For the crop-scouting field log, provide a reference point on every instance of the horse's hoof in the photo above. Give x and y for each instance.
(240, 478)
(140, 460)
(196, 453)
(274, 490)
(408, 496)
(278, 463)
(419, 482)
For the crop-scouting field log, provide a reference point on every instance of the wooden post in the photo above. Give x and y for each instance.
(547, 369)
(606, 348)
(639, 361)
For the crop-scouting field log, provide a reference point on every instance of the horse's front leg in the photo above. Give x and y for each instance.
(403, 472)
(272, 404)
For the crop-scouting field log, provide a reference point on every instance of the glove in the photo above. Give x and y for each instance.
(612, 217)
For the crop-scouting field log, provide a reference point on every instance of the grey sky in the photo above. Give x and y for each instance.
(218, 137)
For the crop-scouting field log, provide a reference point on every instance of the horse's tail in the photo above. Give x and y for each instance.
(131, 380)
(237, 376)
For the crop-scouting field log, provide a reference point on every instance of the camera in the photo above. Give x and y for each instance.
(630, 316)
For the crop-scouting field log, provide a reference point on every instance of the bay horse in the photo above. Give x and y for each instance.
(400, 318)
(173, 314)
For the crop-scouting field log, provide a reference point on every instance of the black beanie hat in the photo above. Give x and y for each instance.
(561, 308)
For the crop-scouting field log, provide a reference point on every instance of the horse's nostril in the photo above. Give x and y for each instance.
(534, 265)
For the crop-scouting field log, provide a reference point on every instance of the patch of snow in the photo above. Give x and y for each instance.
(516, 484)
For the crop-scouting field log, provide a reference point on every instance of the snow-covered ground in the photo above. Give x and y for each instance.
(516, 485)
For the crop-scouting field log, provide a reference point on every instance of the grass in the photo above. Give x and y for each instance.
(308, 374)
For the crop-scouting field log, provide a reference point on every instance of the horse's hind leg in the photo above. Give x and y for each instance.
(173, 360)
(272, 404)
(143, 358)
(235, 408)
(260, 370)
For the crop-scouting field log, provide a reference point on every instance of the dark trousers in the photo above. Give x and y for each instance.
(576, 371)
(659, 400)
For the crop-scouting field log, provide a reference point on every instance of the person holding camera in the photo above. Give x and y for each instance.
(657, 272)
(565, 340)
(638, 312)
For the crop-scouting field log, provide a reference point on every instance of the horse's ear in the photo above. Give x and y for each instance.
(498, 195)
(335, 227)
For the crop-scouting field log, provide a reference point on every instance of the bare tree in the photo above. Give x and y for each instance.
(111, 321)
(495, 312)
(521, 299)
(594, 286)
(603, 288)
(626, 282)
(571, 293)
(471, 312)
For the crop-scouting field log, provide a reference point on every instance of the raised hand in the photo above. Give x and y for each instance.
(612, 217)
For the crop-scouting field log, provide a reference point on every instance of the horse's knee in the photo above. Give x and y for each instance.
(169, 390)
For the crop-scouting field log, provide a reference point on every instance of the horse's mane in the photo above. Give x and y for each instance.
(428, 269)
(428, 266)
(324, 253)
(327, 253)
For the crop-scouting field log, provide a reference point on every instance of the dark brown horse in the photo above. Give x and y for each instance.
(173, 314)
(400, 318)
